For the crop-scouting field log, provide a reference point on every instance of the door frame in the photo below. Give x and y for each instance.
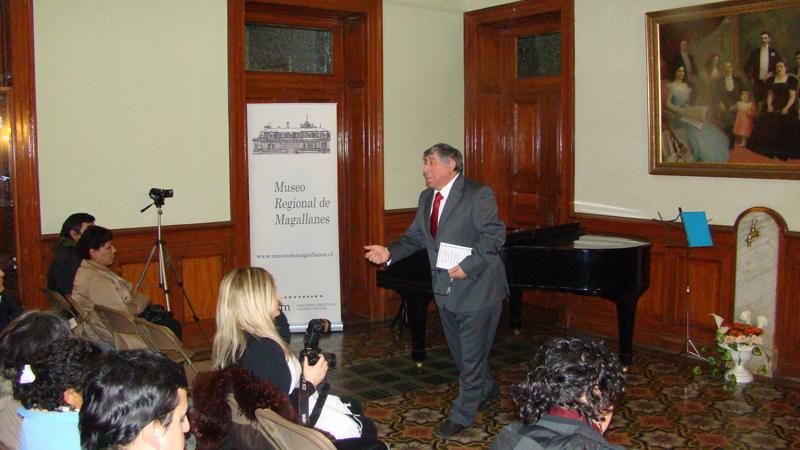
(478, 158)
(359, 92)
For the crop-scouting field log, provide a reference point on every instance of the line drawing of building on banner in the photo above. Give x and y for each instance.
(306, 138)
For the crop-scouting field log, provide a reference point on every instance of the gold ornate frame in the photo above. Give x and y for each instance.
(738, 14)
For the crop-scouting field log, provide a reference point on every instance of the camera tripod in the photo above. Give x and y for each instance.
(164, 261)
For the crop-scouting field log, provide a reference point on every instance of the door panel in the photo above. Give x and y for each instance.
(514, 124)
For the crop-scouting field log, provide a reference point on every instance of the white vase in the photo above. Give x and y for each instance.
(740, 357)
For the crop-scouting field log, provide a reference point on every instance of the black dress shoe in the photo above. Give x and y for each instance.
(494, 394)
(448, 429)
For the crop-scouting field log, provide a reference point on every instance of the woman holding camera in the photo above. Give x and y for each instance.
(247, 336)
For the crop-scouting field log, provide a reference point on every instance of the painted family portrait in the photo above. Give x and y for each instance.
(723, 82)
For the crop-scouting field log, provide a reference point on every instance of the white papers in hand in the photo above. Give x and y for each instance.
(450, 255)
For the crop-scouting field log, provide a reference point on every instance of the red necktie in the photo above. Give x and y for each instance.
(435, 214)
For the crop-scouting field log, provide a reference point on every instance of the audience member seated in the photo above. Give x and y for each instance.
(49, 389)
(247, 336)
(213, 423)
(66, 259)
(10, 308)
(134, 400)
(97, 284)
(20, 342)
(566, 399)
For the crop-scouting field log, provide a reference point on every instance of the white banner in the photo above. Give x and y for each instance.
(294, 221)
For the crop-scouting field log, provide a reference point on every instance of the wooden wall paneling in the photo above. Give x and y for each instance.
(787, 312)
(710, 281)
(201, 277)
(132, 270)
(652, 308)
(661, 315)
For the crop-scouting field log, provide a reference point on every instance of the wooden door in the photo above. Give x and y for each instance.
(533, 157)
(516, 138)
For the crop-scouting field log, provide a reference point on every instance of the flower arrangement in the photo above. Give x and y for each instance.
(734, 341)
(743, 332)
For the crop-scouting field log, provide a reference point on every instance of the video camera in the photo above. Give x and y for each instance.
(316, 328)
(158, 195)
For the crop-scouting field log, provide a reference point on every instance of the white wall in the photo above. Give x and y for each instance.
(423, 90)
(132, 95)
(611, 141)
(423, 87)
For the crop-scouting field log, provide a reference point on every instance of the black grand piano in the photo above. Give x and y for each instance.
(557, 258)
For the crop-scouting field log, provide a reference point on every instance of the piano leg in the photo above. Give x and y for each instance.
(626, 316)
(417, 310)
(515, 308)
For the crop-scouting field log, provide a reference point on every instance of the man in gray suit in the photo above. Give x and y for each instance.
(457, 210)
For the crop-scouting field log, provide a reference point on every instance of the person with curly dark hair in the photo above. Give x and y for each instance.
(566, 399)
(134, 400)
(49, 389)
(20, 342)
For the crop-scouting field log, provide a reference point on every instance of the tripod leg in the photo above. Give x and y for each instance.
(179, 282)
(162, 272)
(146, 265)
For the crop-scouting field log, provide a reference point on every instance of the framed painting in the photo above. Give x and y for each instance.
(723, 89)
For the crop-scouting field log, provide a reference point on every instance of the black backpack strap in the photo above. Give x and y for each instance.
(304, 393)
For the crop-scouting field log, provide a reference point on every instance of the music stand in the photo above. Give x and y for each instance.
(697, 235)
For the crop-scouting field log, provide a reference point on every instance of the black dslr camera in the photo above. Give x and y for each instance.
(316, 328)
(158, 195)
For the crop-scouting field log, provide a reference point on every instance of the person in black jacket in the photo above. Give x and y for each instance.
(66, 259)
(9, 306)
(566, 399)
(249, 336)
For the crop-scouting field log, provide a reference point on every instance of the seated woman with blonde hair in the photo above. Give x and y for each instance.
(247, 336)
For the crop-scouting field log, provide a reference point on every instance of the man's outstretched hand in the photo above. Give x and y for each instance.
(377, 254)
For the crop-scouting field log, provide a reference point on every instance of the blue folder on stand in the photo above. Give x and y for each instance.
(696, 226)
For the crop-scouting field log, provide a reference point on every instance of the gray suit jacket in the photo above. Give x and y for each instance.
(469, 219)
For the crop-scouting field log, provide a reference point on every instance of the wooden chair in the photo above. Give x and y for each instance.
(127, 335)
(163, 340)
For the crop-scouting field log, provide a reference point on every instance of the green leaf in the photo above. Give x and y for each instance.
(728, 388)
(697, 370)
(726, 356)
(703, 349)
(712, 360)
(757, 351)
(762, 369)
(715, 372)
